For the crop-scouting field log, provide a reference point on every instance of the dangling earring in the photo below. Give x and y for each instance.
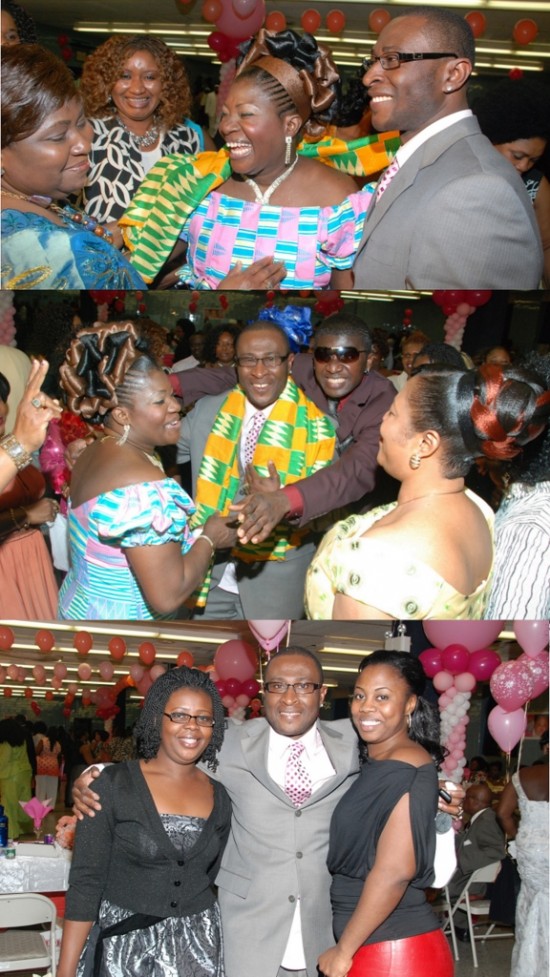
(414, 461)
(124, 436)
(409, 720)
(288, 150)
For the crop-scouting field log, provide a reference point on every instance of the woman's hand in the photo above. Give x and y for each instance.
(261, 274)
(116, 234)
(43, 511)
(222, 530)
(31, 420)
(454, 807)
(334, 963)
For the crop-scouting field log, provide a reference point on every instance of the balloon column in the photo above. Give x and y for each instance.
(515, 683)
(459, 661)
(235, 665)
(235, 21)
(457, 305)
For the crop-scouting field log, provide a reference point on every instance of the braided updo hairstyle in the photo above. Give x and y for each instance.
(104, 367)
(492, 411)
(147, 732)
(315, 69)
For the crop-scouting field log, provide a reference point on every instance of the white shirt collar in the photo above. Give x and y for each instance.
(280, 744)
(407, 149)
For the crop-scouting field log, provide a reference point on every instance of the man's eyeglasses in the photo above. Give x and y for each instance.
(183, 719)
(396, 58)
(300, 688)
(271, 361)
(345, 354)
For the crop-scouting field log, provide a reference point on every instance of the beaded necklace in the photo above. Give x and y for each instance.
(263, 198)
(147, 139)
(67, 213)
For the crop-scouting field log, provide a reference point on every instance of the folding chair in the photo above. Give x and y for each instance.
(442, 907)
(479, 907)
(22, 948)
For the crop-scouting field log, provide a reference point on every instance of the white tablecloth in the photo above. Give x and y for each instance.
(36, 873)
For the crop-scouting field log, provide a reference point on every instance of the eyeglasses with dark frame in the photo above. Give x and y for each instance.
(394, 59)
(345, 354)
(300, 688)
(184, 719)
(271, 361)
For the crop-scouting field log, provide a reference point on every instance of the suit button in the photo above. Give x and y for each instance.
(173, 905)
(298, 814)
(299, 854)
(292, 898)
(181, 863)
(177, 883)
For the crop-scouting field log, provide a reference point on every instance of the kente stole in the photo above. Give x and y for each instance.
(175, 186)
(297, 437)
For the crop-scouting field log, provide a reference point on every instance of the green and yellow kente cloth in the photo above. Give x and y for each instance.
(175, 186)
(297, 437)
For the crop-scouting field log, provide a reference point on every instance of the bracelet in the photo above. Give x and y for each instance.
(25, 524)
(207, 540)
(18, 454)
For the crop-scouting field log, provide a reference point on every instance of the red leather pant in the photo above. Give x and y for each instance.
(415, 956)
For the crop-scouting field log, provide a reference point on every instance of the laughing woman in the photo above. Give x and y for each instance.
(132, 554)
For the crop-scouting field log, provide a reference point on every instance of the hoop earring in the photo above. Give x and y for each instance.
(124, 436)
(288, 150)
(414, 461)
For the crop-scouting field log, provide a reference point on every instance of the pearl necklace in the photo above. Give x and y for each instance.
(154, 459)
(147, 139)
(67, 213)
(263, 198)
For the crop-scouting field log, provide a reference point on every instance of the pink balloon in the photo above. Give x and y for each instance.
(106, 670)
(471, 634)
(60, 670)
(442, 681)
(84, 671)
(156, 672)
(232, 25)
(431, 661)
(455, 659)
(72, 688)
(243, 8)
(483, 663)
(511, 685)
(539, 672)
(12, 672)
(465, 682)
(443, 700)
(532, 636)
(235, 659)
(269, 634)
(228, 701)
(242, 699)
(452, 692)
(136, 671)
(506, 728)
(39, 673)
(463, 309)
(56, 682)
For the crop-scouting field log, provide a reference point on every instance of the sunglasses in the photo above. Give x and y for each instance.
(345, 354)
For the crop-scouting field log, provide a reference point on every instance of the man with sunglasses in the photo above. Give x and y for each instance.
(266, 420)
(447, 213)
(338, 380)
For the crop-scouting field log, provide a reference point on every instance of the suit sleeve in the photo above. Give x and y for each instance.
(487, 846)
(91, 857)
(478, 231)
(201, 382)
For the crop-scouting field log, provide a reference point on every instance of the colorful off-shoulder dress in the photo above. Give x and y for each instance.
(100, 584)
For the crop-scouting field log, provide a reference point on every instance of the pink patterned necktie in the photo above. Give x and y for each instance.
(386, 178)
(297, 779)
(252, 437)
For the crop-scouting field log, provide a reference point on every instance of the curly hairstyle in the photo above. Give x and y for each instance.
(424, 728)
(345, 324)
(104, 366)
(212, 337)
(490, 412)
(514, 109)
(446, 30)
(103, 67)
(23, 22)
(296, 73)
(35, 83)
(147, 732)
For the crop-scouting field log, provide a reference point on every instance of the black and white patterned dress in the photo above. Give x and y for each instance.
(117, 166)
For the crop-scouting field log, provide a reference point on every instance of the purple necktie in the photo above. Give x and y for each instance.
(252, 437)
(386, 178)
(297, 779)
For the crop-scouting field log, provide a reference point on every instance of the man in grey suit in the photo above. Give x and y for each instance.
(264, 581)
(479, 844)
(454, 214)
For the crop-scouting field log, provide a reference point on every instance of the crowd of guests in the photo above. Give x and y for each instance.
(298, 450)
(113, 185)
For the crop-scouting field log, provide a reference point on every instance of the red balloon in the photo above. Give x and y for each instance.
(83, 641)
(525, 31)
(117, 648)
(515, 74)
(311, 21)
(28, 693)
(45, 640)
(478, 297)
(8, 693)
(147, 652)
(186, 658)
(233, 687)
(211, 10)
(251, 688)
(6, 638)
(221, 687)
(378, 19)
(275, 21)
(431, 661)
(336, 21)
(36, 708)
(483, 663)
(217, 41)
(49, 695)
(477, 22)
(62, 40)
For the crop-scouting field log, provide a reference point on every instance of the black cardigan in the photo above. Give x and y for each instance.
(124, 854)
